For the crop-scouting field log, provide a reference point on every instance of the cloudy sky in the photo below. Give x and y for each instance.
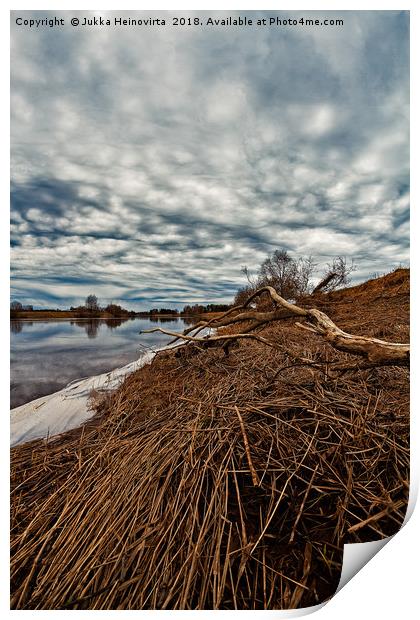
(150, 163)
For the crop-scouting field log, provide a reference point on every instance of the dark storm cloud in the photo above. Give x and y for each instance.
(149, 165)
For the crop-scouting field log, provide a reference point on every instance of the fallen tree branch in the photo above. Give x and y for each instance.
(208, 339)
(373, 349)
(376, 352)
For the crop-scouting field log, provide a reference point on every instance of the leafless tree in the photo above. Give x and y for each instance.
(288, 276)
(91, 303)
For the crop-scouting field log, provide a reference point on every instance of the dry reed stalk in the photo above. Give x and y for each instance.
(247, 450)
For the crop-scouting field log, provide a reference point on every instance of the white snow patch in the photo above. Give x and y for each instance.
(67, 408)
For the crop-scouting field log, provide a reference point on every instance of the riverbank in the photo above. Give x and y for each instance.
(68, 408)
(75, 403)
(213, 481)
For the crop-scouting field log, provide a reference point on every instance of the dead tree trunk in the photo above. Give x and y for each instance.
(375, 352)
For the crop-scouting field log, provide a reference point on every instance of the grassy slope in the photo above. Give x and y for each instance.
(154, 503)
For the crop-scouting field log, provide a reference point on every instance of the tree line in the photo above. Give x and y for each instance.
(93, 309)
(188, 310)
(16, 307)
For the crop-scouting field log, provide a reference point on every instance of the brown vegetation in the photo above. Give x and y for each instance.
(222, 482)
(44, 314)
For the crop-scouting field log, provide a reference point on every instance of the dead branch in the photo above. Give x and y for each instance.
(324, 282)
(208, 339)
(376, 352)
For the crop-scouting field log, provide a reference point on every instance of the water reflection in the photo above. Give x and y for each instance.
(91, 326)
(48, 354)
(114, 323)
(190, 320)
(16, 325)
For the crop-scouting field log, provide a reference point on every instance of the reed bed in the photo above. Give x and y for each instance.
(214, 482)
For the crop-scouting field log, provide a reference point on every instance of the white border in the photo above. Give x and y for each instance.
(387, 586)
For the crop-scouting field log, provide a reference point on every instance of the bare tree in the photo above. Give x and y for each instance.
(288, 276)
(91, 303)
(304, 268)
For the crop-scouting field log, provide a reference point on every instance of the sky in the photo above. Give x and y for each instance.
(149, 164)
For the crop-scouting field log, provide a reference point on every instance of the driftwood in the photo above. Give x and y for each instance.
(374, 351)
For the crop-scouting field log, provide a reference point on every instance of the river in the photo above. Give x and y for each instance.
(47, 354)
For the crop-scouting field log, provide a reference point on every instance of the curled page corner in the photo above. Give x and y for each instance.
(412, 499)
(355, 556)
(304, 611)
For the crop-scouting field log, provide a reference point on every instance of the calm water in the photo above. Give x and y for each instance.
(48, 354)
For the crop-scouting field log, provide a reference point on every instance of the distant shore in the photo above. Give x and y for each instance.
(71, 314)
(62, 314)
